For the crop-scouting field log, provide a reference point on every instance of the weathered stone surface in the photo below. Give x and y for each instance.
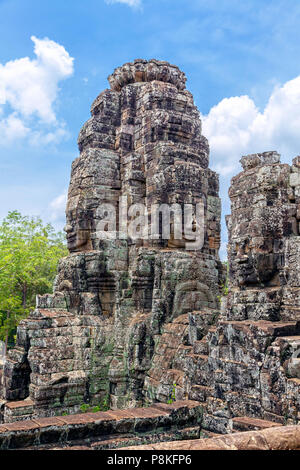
(103, 430)
(122, 306)
(136, 321)
(284, 438)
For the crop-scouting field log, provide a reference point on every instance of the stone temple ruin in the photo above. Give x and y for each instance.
(133, 322)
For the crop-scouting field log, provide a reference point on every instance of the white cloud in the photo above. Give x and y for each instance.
(29, 89)
(235, 127)
(46, 138)
(131, 3)
(11, 128)
(57, 207)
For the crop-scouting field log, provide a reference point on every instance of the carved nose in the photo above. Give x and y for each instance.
(68, 228)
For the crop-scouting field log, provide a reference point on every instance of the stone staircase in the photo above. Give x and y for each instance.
(219, 370)
(165, 370)
(181, 344)
(249, 368)
(238, 371)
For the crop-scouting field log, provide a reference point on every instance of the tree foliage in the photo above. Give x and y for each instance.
(29, 253)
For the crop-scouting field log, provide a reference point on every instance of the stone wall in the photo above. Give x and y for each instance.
(160, 427)
(105, 430)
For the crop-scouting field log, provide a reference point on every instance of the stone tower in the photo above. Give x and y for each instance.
(99, 338)
(250, 375)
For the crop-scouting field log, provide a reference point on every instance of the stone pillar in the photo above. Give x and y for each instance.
(93, 341)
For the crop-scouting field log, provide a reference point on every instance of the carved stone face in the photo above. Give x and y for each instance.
(95, 181)
(78, 229)
(253, 263)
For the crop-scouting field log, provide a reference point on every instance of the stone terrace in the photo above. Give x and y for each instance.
(144, 429)
(106, 430)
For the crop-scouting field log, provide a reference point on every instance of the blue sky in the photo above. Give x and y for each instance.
(241, 59)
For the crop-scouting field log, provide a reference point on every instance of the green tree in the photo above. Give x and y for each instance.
(29, 253)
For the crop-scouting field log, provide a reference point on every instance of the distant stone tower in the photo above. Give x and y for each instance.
(263, 232)
(98, 338)
(252, 367)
